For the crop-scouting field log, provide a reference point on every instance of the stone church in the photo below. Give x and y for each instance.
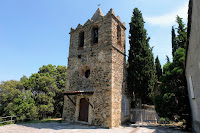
(96, 78)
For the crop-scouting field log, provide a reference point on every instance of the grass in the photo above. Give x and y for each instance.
(6, 123)
(43, 121)
(48, 120)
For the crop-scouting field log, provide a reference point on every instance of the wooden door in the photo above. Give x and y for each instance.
(83, 110)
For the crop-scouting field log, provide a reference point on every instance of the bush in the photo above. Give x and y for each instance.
(164, 121)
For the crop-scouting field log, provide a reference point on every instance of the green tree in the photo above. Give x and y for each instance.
(43, 88)
(182, 33)
(59, 75)
(173, 99)
(61, 85)
(8, 92)
(41, 93)
(25, 83)
(173, 90)
(158, 68)
(165, 105)
(24, 104)
(141, 72)
(167, 58)
(174, 41)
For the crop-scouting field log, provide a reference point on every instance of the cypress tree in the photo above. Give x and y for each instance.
(158, 68)
(182, 34)
(141, 71)
(167, 58)
(174, 42)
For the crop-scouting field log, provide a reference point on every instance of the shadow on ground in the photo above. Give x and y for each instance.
(58, 125)
(132, 128)
(158, 129)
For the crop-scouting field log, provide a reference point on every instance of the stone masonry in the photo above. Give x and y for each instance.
(105, 60)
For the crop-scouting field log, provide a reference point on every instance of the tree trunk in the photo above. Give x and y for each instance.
(140, 103)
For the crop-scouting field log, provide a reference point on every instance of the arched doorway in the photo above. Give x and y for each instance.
(83, 110)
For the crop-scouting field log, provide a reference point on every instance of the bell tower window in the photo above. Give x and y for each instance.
(81, 39)
(87, 73)
(118, 34)
(95, 35)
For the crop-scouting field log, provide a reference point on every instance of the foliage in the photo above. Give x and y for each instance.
(182, 34)
(173, 101)
(164, 120)
(174, 42)
(179, 40)
(24, 104)
(58, 74)
(40, 94)
(42, 87)
(141, 72)
(158, 68)
(167, 105)
(9, 90)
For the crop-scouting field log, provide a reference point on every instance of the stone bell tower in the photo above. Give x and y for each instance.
(96, 81)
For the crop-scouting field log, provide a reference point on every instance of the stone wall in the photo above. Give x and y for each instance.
(69, 109)
(193, 63)
(118, 66)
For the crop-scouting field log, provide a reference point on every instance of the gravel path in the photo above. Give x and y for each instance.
(55, 127)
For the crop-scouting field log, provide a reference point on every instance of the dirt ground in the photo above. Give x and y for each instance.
(55, 127)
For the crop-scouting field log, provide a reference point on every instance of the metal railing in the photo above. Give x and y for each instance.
(143, 115)
(14, 119)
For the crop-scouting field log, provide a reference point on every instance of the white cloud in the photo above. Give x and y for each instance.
(168, 19)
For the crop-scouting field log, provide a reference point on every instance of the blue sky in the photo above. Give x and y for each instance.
(34, 33)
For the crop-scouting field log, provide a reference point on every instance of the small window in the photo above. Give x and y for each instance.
(95, 35)
(79, 56)
(118, 34)
(87, 73)
(81, 39)
(191, 88)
